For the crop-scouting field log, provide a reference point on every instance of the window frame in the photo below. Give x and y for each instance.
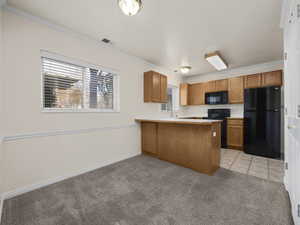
(116, 90)
(175, 99)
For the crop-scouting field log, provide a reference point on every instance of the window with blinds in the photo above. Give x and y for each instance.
(72, 87)
(173, 100)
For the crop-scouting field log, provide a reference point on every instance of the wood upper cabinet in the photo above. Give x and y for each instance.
(235, 133)
(221, 85)
(163, 88)
(210, 86)
(184, 94)
(253, 81)
(196, 94)
(155, 87)
(273, 78)
(236, 90)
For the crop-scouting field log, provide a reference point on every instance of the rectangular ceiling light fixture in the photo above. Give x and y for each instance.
(216, 60)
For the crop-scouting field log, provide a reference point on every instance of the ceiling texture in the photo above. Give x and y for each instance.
(174, 33)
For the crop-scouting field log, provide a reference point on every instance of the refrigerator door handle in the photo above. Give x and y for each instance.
(290, 127)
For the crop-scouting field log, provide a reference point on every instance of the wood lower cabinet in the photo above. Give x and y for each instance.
(236, 90)
(184, 94)
(273, 78)
(155, 87)
(253, 81)
(149, 138)
(235, 133)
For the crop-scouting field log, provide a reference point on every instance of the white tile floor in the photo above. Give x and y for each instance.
(238, 161)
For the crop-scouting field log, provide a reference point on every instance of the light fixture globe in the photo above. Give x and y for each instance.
(185, 69)
(130, 7)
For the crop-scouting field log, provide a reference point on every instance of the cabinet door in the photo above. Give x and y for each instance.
(184, 90)
(210, 86)
(272, 78)
(163, 88)
(149, 138)
(253, 81)
(156, 87)
(235, 137)
(196, 94)
(222, 85)
(236, 90)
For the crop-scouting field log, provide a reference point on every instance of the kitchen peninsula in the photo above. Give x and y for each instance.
(192, 143)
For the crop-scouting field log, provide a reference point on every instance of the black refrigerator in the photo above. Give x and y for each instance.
(262, 113)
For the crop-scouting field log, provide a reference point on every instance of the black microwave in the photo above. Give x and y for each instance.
(216, 98)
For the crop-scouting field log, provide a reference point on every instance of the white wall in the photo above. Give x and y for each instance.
(237, 110)
(1, 98)
(35, 160)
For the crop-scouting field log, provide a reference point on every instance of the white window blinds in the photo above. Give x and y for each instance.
(69, 86)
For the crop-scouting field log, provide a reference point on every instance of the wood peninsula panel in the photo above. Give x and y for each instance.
(149, 137)
(235, 133)
(193, 146)
(222, 85)
(236, 90)
(273, 78)
(253, 81)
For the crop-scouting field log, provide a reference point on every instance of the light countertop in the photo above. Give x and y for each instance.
(177, 120)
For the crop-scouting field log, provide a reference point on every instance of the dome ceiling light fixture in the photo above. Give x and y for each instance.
(185, 69)
(130, 7)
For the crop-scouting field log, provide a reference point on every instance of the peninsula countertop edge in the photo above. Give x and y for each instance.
(177, 121)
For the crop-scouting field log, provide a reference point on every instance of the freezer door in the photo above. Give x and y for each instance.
(273, 98)
(250, 99)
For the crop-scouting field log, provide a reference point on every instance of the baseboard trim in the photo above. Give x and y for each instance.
(32, 187)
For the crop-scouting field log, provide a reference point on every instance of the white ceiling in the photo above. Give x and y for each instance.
(171, 33)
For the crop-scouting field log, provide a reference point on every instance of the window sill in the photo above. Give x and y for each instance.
(80, 111)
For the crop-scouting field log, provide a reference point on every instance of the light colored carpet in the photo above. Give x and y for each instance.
(147, 191)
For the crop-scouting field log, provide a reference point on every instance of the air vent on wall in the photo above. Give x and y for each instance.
(106, 41)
